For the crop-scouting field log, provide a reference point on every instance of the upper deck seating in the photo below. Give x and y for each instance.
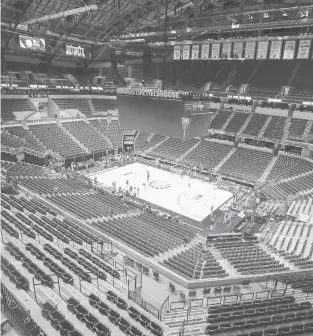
(255, 124)
(275, 128)
(103, 105)
(236, 122)
(220, 119)
(141, 141)
(82, 104)
(297, 127)
(8, 106)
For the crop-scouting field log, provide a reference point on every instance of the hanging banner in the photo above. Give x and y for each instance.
(275, 52)
(216, 49)
(205, 51)
(195, 51)
(186, 52)
(177, 53)
(238, 50)
(250, 50)
(226, 50)
(289, 50)
(304, 49)
(262, 50)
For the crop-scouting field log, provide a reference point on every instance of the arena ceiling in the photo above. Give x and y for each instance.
(114, 19)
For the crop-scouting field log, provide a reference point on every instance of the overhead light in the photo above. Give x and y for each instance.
(284, 14)
(266, 15)
(304, 13)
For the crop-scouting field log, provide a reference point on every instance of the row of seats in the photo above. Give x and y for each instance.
(54, 138)
(8, 106)
(110, 128)
(91, 205)
(25, 169)
(87, 135)
(246, 163)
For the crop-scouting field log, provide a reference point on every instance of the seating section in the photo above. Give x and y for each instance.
(172, 148)
(54, 185)
(269, 316)
(103, 105)
(275, 128)
(8, 106)
(141, 141)
(220, 119)
(246, 163)
(153, 141)
(248, 258)
(292, 240)
(236, 122)
(297, 128)
(104, 306)
(112, 129)
(141, 235)
(301, 93)
(208, 154)
(53, 137)
(25, 169)
(255, 124)
(291, 187)
(31, 141)
(87, 135)
(91, 205)
(195, 263)
(81, 104)
(288, 166)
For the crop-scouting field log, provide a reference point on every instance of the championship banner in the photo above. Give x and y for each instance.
(177, 53)
(195, 52)
(250, 50)
(205, 51)
(262, 50)
(275, 52)
(216, 49)
(226, 50)
(304, 49)
(289, 50)
(186, 52)
(238, 50)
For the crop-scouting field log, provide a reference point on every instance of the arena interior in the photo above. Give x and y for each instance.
(156, 167)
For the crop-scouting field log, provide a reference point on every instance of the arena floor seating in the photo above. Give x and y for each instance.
(87, 136)
(53, 137)
(255, 124)
(246, 163)
(208, 154)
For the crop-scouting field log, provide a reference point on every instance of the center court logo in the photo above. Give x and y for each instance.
(159, 184)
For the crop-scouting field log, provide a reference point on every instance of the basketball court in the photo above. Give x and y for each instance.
(191, 198)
